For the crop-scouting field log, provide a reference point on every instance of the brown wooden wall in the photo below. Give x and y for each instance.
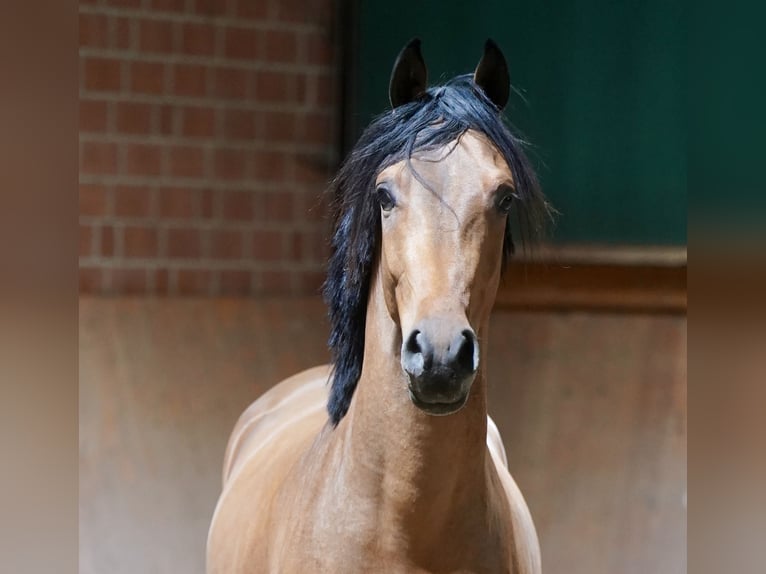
(592, 408)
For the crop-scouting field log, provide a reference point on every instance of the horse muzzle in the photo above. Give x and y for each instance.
(441, 360)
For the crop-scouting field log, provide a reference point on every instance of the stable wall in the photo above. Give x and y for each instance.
(592, 409)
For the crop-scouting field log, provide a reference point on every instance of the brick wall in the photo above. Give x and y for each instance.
(207, 133)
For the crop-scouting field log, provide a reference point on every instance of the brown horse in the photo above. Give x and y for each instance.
(408, 473)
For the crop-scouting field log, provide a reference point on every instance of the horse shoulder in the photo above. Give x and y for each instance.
(284, 403)
(525, 541)
(267, 440)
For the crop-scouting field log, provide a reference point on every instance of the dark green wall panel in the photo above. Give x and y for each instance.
(600, 98)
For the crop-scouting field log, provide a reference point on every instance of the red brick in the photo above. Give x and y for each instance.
(313, 208)
(86, 240)
(184, 243)
(123, 3)
(98, 158)
(129, 281)
(143, 159)
(318, 48)
(167, 119)
(91, 280)
(234, 282)
(268, 165)
(310, 282)
(312, 246)
(102, 74)
(189, 80)
(92, 200)
(250, 81)
(275, 206)
(193, 282)
(198, 122)
(325, 10)
(275, 282)
(107, 241)
(300, 89)
(325, 90)
(273, 86)
(207, 207)
(155, 36)
(93, 116)
(310, 171)
(94, 30)
(130, 201)
(229, 163)
(161, 281)
(295, 247)
(241, 43)
(253, 10)
(277, 126)
(147, 77)
(230, 83)
(187, 162)
(177, 203)
(239, 125)
(139, 242)
(226, 244)
(267, 245)
(168, 5)
(296, 11)
(133, 118)
(318, 129)
(211, 7)
(280, 46)
(198, 39)
(237, 206)
(122, 33)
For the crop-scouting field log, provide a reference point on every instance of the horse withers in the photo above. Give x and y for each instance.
(397, 468)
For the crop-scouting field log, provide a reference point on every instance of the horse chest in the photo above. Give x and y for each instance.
(361, 539)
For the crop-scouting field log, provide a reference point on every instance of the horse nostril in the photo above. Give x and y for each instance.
(418, 354)
(413, 346)
(465, 354)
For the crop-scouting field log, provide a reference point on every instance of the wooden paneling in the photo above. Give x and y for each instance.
(592, 409)
(597, 278)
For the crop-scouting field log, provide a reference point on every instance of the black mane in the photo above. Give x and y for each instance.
(440, 116)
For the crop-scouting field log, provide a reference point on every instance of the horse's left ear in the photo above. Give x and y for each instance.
(491, 75)
(409, 78)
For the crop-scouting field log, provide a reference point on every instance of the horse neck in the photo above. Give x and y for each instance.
(420, 470)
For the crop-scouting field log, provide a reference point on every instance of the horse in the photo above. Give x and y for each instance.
(397, 468)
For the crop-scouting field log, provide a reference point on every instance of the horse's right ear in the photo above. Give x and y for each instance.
(491, 75)
(409, 77)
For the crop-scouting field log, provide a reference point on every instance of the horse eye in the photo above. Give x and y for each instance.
(505, 202)
(385, 199)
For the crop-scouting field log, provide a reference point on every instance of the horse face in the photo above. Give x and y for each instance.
(442, 222)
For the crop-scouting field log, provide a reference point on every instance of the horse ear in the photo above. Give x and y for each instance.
(409, 78)
(491, 75)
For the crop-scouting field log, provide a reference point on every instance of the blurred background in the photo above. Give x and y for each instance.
(208, 131)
